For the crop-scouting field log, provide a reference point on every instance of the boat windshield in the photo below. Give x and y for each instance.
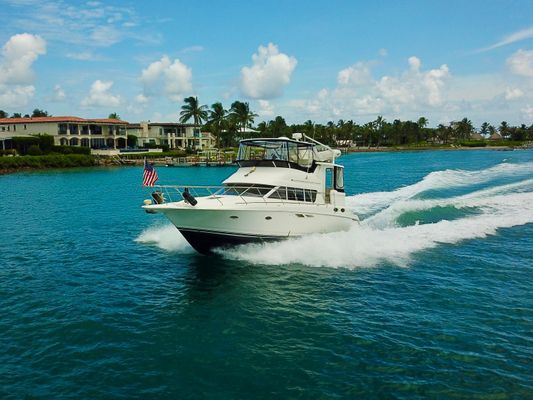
(275, 152)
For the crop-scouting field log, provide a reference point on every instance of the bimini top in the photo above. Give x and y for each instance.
(282, 152)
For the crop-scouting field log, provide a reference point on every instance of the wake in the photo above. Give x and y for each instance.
(396, 225)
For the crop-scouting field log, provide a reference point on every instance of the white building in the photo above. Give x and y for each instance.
(105, 133)
(174, 135)
(67, 131)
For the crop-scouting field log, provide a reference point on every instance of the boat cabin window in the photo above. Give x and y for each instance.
(329, 178)
(339, 179)
(275, 152)
(252, 191)
(294, 194)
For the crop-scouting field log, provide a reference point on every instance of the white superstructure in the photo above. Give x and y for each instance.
(283, 188)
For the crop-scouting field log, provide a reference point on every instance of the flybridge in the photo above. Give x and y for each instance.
(284, 152)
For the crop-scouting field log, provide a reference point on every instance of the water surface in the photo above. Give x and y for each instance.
(431, 296)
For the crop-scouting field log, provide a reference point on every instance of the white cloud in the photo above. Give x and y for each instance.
(414, 87)
(141, 99)
(84, 56)
(511, 38)
(527, 113)
(511, 94)
(99, 95)
(59, 93)
(358, 94)
(266, 109)
(164, 76)
(91, 24)
(16, 96)
(106, 36)
(192, 49)
(17, 57)
(270, 73)
(16, 75)
(357, 74)
(521, 63)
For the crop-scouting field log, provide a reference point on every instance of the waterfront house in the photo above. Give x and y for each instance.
(67, 131)
(105, 133)
(173, 135)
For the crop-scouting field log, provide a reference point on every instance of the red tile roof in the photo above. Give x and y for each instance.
(60, 119)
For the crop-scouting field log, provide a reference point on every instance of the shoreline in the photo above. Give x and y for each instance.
(108, 163)
(425, 148)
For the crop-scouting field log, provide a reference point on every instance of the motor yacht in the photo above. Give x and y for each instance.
(283, 188)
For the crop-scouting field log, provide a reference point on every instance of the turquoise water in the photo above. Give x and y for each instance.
(432, 296)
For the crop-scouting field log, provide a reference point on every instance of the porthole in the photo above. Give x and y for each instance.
(335, 209)
(234, 217)
(342, 209)
(268, 218)
(300, 215)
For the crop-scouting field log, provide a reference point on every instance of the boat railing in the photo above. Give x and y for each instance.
(247, 194)
(173, 193)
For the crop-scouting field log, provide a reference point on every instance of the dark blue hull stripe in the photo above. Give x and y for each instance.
(204, 241)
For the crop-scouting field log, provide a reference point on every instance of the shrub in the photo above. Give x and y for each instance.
(34, 150)
(473, 143)
(47, 161)
(71, 150)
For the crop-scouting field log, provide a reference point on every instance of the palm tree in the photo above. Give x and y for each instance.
(422, 122)
(192, 109)
(217, 119)
(114, 116)
(484, 128)
(504, 129)
(377, 128)
(443, 133)
(463, 129)
(241, 113)
(309, 128)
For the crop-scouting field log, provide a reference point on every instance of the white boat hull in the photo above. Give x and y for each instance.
(213, 223)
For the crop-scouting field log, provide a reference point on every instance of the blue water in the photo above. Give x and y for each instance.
(431, 296)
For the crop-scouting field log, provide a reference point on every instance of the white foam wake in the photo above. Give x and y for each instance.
(365, 245)
(380, 238)
(369, 203)
(166, 237)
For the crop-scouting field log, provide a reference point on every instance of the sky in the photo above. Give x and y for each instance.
(304, 60)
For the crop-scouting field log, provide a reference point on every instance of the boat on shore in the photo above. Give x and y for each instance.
(284, 188)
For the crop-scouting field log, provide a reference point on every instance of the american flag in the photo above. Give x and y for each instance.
(149, 176)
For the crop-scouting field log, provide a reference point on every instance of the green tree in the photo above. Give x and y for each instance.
(217, 120)
(114, 116)
(378, 129)
(192, 109)
(504, 129)
(422, 131)
(3, 114)
(444, 133)
(240, 112)
(39, 113)
(422, 122)
(278, 127)
(463, 129)
(16, 115)
(484, 128)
